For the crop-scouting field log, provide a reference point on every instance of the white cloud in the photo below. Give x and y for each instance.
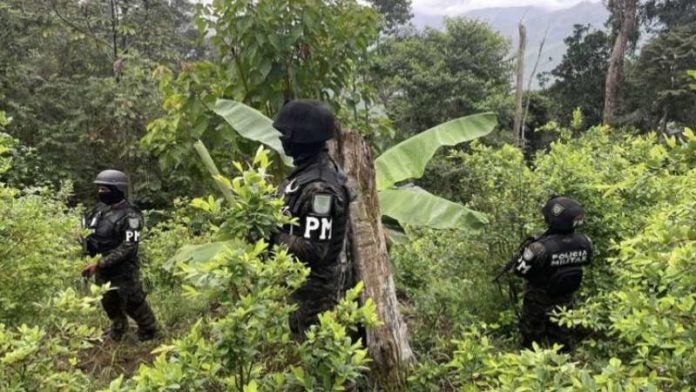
(457, 7)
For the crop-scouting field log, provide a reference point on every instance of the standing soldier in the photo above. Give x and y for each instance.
(317, 195)
(552, 265)
(116, 226)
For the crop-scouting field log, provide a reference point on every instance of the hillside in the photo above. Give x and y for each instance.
(558, 22)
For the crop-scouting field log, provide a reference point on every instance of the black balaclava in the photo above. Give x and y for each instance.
(111, 197)
(301, 152)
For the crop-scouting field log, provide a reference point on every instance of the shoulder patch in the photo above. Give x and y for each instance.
(536, 249)
(134, 223)
(321, 204)
(528, 255)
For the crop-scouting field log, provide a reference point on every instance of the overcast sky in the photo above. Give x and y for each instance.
(454, 7)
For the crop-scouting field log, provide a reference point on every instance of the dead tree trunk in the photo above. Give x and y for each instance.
(625, 12)
(532, 75)
(388, 343)
(518, 126)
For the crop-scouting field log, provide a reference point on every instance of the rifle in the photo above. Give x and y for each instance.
(512, 290)
(506, 268)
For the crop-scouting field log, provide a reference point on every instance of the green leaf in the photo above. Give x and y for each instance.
(415, 206)
(251, 124)
(201, 253)
(212, 169)
(408, 159)
(396, 236)
(251, 387)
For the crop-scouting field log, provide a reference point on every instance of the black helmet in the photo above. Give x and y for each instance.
(114, 178)
(305, 121)
(563, 214)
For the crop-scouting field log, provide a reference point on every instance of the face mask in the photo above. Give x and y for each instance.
(287, 146)
(301, 151)
(111, 197)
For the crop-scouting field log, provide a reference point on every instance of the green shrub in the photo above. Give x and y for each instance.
(244, 343)
(46, 357)
(39, 250)
(637, 301)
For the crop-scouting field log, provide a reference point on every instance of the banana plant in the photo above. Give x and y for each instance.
(407, 204)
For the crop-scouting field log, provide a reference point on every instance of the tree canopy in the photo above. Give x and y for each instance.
(180, 95)
(426, 78)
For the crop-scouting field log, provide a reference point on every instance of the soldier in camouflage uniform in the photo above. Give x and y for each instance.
(317, 194)
(552, 265)
(116, 227)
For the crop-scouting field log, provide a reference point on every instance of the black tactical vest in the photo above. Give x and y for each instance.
(325, 170)
(104, 221)
(559, 271)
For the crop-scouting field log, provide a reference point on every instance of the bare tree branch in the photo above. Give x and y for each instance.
(517, 126)
(531, 76)
(75, 27)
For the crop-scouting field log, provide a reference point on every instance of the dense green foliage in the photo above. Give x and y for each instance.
(653, 92)
(664, 14)
(134, 85)
(395, 13)
(238, 295)
(579, 78)
(636, 303)
(659, 81)
(426, 78)
(80, 92)
(318, 55)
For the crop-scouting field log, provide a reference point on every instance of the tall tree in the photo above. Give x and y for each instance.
(265, 53)
(519, 86)
(663, 15)
(625, 12)
(119, 27)
(659, 81)
(426, 78)
(395, 13)
(581, 74)
(56, 76)
(278, 50)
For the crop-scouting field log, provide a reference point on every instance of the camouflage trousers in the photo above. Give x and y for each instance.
(317, 295)
(127, 298)
(535, 322)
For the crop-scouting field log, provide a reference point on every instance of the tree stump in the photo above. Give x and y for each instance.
(366, 249)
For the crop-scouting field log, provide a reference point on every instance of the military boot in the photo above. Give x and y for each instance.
(115, 332)
(147, 334)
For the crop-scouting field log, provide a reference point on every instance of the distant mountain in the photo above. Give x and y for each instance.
(537, 20)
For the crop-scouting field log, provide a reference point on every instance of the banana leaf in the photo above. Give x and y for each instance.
(408, 159)
(212, 169)
(251, 124)
(415, 206)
